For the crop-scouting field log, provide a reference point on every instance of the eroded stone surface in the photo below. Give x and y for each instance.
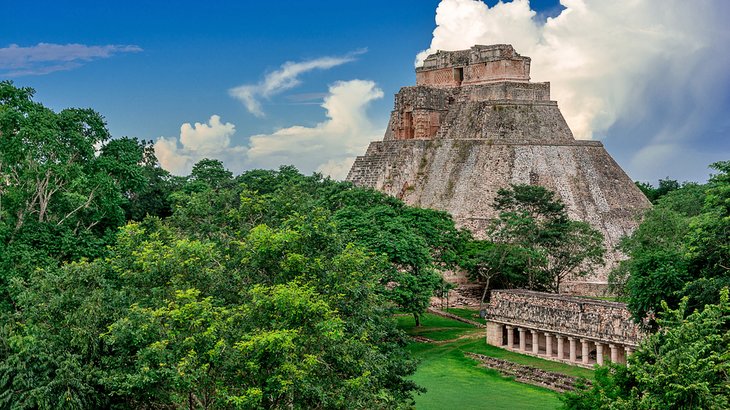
(452, 145)
(607, 322)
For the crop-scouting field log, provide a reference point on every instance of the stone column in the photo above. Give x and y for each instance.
(510, 337)
(628, 351)
(599, 353)
(548, 344)
(523, 343)
(561, 348)
(495, 333)
(614, 353)
(584, 352)
(535, 342)
(571, 340)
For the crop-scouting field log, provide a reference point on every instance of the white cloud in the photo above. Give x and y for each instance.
(198, 141)
(611, 64)
(44, 58)
(329, 147)
(285, 78)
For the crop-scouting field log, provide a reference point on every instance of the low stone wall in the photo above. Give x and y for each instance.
(527, 374)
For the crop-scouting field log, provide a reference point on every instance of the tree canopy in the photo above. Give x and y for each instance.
(676, 281)
(536, 245)
(681, 249)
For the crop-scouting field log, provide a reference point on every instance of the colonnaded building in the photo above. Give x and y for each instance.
(563, 328)
(473, 124)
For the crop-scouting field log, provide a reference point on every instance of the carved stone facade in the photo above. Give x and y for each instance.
(571, 329)
(457, 137)
(478, 65)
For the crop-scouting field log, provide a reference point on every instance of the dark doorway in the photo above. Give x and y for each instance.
(459, 75)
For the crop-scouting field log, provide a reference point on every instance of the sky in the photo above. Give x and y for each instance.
(260, 84)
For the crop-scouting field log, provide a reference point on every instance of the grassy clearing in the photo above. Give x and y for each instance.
(434, 327)
(473, 340)
(456, 381)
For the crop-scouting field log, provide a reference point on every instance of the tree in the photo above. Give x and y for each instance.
(655, 193)
(686, 364)
(287, 317)
(212, 173)
(59, 200)
(680, 249)
(417, 242)
(506, 263)
(555, 247)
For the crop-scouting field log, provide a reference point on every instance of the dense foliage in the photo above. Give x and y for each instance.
(653, 193)
(682, 248)
(533, 244)
(685, 365)
(676, 282)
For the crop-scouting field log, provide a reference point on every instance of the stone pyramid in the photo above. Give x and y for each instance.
(474, 123)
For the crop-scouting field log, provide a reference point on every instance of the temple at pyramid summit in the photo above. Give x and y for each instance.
(474, 123)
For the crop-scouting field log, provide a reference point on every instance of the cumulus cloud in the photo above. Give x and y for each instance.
(285, 78)
(328, 147)
(640, 73)
(198, 141)
(45, 58)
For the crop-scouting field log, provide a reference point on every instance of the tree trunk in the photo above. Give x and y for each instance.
(484, 294)
(417, 318)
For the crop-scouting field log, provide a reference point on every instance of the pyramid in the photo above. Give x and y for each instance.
(474, 123)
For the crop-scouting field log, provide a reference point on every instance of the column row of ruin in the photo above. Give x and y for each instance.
(582, 351)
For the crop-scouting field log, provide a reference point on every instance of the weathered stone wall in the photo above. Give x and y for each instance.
(462, 177)
(502, 70)
(442, 77)
(478, 65)
(509, 91)
(567, 315)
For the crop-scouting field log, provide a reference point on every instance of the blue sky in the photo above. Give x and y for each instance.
(168, 65)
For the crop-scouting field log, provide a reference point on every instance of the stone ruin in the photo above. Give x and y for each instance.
(474, 123)
(575, 330)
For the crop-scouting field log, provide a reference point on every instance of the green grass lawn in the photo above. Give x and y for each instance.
(434, 327)
(455, 381)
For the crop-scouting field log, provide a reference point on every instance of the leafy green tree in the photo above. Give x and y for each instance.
(287, 317)
(555, 247)
(212, 173)
(680, 249)
(499, 264)
(144, 187)
(417, 242)
(685, 365)
(59, 200)
(655, 193)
